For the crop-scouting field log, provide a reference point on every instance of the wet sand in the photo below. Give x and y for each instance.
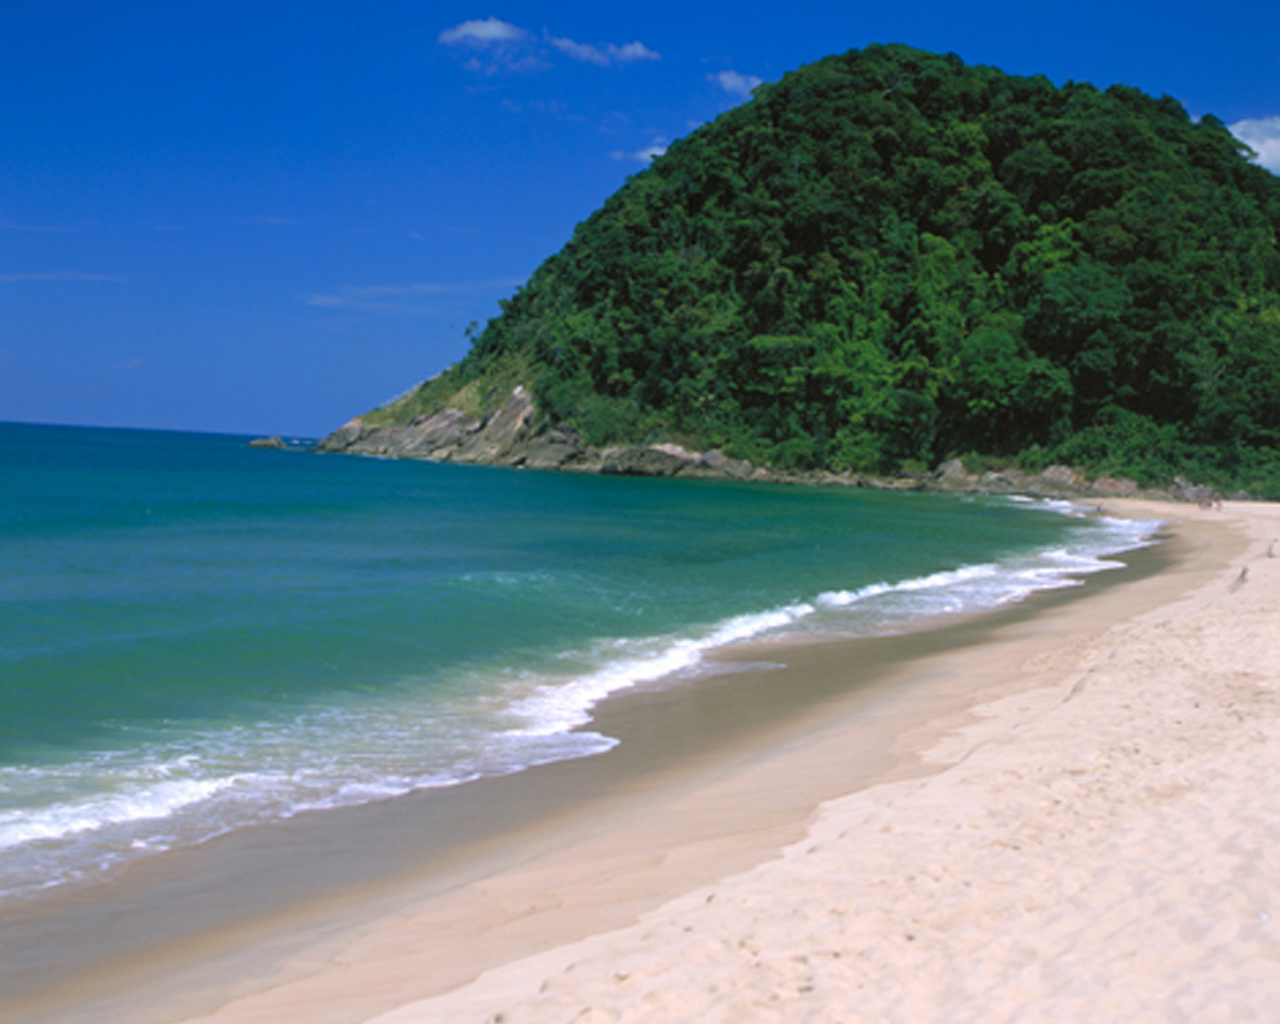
(400, 909)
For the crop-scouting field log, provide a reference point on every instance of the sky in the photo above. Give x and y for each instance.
(268, 217)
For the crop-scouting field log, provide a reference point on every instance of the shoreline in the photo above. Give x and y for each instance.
(1092, 839)
(515, 436)
(522, 890)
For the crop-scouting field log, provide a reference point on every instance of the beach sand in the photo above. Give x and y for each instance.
(1069, 819)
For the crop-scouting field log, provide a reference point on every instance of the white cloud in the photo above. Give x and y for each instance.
(507, 47)
(737, 84)
(1262, 135)
(482, 34)
(644, 156)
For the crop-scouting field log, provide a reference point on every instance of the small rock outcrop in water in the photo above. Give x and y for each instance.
(268, 442)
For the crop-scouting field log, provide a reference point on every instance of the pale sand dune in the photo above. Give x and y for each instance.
(1100, 841)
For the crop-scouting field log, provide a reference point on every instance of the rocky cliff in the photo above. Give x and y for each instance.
(517, 436)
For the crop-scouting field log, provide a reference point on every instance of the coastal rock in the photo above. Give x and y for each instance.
(1053, 482)
(514, 435)
(1184, 490)
(449, 435)
(1005, 481)
(495, 438)
(1113, 487)
(952, 476)
(433, 436)
(268, 442)
(716, 463)
(558, 447)
(1061, 478)
(655, 460)
(345, 438)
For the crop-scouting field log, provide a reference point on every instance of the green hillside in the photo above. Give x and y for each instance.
(889, 258)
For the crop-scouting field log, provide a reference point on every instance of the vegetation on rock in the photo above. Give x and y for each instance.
(889, 258)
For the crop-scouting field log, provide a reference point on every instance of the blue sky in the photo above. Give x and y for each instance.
(270, 216)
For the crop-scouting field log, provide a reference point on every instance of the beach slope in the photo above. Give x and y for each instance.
(1099, 842)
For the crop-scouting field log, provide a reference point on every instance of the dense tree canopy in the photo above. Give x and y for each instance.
(889, 257)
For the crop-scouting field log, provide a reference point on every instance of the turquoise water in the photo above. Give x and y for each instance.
(196, 635)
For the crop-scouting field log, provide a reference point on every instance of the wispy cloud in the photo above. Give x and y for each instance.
(72, 277)
(580, 51)
(629, 53)
(501, 46)
(415, 298)
(1262, 135)
(605, 55)
(644, 156)
(736, 84)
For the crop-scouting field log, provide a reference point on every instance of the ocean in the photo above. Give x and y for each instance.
(198, 637)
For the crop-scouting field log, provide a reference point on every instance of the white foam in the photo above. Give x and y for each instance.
(935, 581)
(559, 706)
(139, 803)
(556, 706)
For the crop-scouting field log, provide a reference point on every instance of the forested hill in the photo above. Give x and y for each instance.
(889, 258)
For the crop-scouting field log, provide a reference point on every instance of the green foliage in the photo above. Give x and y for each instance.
(887, 258)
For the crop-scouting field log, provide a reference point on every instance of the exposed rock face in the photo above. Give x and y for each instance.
(268, 442)
(952, 477)
(515, 436)
(1055, 481)
(448, 436)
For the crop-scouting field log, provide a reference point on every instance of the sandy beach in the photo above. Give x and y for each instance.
(1061, 813)
(1098, 844)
